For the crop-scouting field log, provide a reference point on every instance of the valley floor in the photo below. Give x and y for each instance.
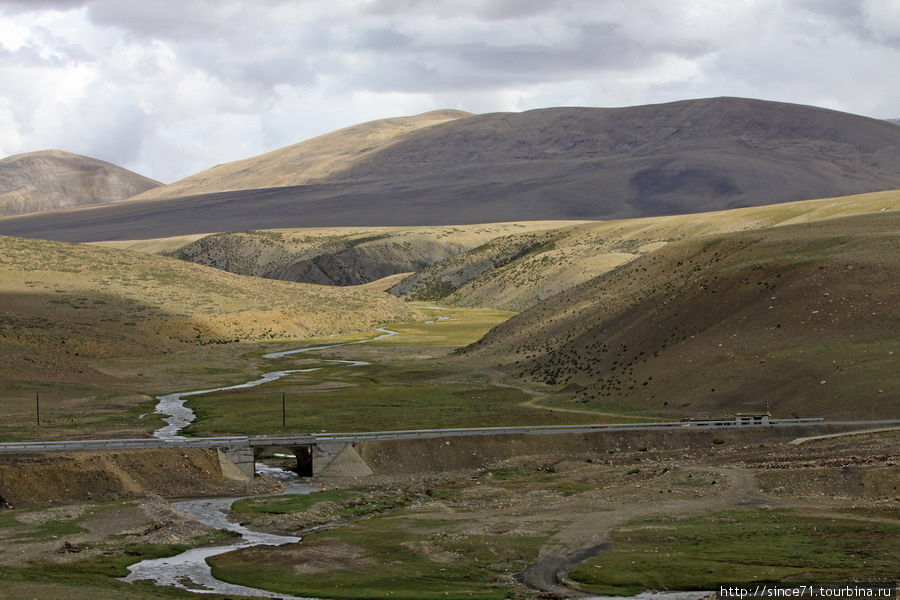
(413, 382)
(534, 526)
(549, 523)
(618, 523)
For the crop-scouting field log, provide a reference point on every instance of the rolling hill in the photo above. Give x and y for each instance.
(50, 179)
(318, 159)
(63, 306)
(514, 272)
(548, 164)
(800, 319)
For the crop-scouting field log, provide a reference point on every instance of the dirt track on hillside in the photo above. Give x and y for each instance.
(589, 535)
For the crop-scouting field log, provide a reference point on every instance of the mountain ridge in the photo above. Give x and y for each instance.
(547, 164)
(52, 179)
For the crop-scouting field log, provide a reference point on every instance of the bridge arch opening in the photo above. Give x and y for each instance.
(302, 463)
(304, 456)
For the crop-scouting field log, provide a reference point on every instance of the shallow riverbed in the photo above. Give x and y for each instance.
(189, 570)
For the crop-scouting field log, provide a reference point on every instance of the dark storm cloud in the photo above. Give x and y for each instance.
(592, 46)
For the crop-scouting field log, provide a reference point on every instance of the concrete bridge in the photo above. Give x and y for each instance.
(314, 452)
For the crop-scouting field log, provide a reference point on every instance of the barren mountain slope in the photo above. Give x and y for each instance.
(549, 164)
(515, 272)
(49, 179)
(800, 319)
(62, 305)
(317, 159)
(670, 158)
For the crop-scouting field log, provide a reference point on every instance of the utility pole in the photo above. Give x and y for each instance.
(37, 407)
(283, 420)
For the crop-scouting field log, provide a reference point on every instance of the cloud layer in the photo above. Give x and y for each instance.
(171, 87)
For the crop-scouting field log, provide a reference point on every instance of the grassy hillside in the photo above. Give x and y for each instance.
(69, 311)
(331, 255)
(801, 319)
(517, 271)
(49, 179)
(312, 160)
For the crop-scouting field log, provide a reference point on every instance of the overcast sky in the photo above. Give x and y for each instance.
(170, 87)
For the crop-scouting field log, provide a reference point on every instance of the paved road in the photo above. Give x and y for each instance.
(260, 441)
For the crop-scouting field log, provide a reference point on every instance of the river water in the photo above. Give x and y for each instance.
(189, 570)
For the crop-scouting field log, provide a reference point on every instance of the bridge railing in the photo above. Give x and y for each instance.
(208, 442)
(553, 428)
(288, 440)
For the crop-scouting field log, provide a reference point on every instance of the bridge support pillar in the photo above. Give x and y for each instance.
(243, 458)
(338, 459)
(323, 453)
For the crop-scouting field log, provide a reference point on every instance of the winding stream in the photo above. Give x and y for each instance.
(189, 570)
(178, 416)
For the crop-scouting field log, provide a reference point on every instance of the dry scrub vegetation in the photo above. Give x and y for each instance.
(159, 303)
(800, 319)
(515, 272)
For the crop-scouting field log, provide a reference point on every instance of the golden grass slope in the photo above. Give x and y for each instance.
(49, 179)
(306, 162)
(60, 301)
(516, 272)
(801, 319)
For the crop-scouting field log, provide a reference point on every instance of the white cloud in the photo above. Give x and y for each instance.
(172, 87)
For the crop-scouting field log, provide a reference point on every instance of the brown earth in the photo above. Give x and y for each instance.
(394, 458)
(339, 255)
(65, 478)
(150, 521)
(330, 556)
(318, 159)
(510, 266)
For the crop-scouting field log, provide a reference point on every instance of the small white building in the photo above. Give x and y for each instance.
(752, 418)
